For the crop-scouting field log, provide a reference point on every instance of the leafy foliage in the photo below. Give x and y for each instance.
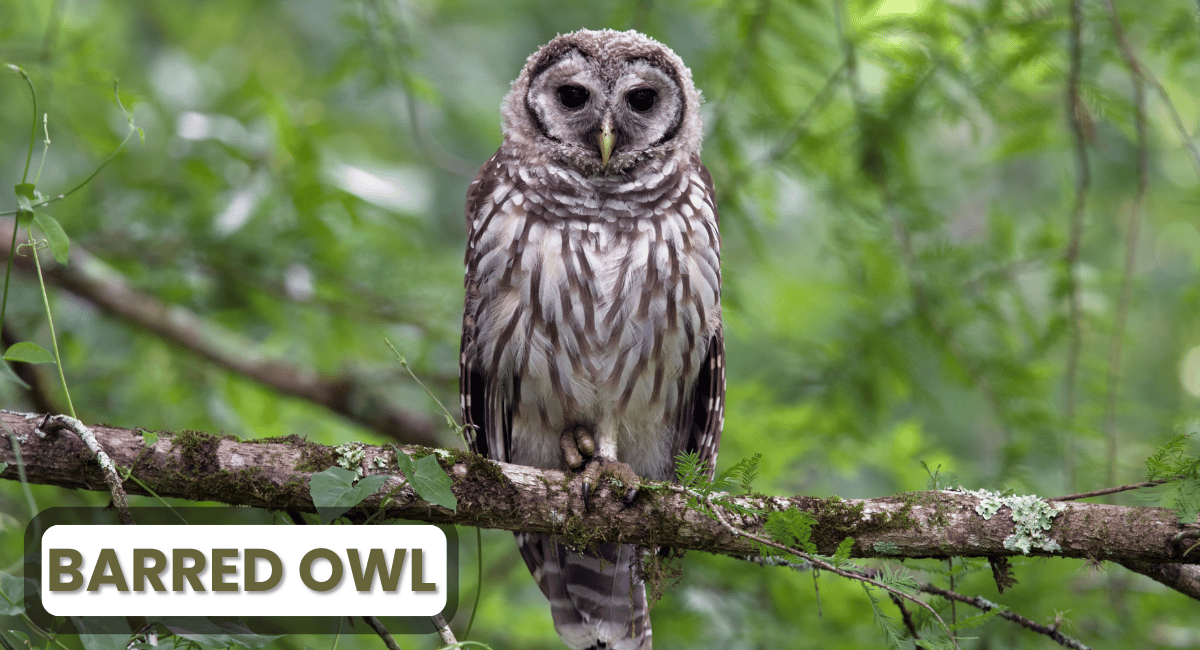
(790, 528)
(704, 492)
(893, 634)
(27, 352)
(336, 490)
(427, 478)
(1173, 462)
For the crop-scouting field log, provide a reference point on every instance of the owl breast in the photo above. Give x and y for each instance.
(606, 310)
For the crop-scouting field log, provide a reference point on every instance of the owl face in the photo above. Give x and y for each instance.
(604, 102)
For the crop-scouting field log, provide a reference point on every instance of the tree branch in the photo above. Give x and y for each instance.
(357, 400)
(987, 606)
(274, 474)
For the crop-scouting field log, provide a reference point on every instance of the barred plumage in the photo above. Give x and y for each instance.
(593, 296)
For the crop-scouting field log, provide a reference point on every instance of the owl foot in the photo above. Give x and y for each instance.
(621, 474)
(579, 453)
(576, 443)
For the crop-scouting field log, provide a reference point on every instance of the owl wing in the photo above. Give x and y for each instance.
(703, 412)
(486, 416)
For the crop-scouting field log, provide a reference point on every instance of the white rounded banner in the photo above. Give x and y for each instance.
(244, 570)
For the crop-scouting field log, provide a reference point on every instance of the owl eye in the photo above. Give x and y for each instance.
(572, 96)
(642, 99)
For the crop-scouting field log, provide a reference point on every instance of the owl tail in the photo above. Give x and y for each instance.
(596, 600)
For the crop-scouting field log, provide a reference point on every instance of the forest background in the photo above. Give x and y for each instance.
(958, 237)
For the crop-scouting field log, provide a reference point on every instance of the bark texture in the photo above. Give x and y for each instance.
(274, 474)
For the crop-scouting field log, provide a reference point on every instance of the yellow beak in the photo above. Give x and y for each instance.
(606, 143)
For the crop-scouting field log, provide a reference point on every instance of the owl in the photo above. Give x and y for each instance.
(592, 335)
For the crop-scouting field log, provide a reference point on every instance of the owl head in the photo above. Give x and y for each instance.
(604, 102)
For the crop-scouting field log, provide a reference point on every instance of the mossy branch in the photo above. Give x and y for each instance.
(274, 473)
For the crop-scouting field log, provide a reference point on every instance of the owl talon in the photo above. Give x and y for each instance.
(625, 480)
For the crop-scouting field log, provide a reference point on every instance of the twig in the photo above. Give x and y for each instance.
(908, 619)
(817, 592)
(12, 247)
(20, 463)
(37, 264)
(443, 629)
(1111, 490)
(1076, 113)
(716, 509)
(1184, 578)
(56, 423)
(1185, 138)
(987, 606)
(974, 601)
(377, 625)
(950, 574)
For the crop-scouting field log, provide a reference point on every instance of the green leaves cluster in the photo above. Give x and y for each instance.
(338, 489)
(1175, 463)
(736, 480)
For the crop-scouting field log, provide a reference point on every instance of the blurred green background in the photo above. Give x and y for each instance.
(897, 185)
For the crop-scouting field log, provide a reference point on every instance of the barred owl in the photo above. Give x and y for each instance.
(592, 328)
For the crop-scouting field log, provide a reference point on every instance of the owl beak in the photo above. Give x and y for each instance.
(606, 139)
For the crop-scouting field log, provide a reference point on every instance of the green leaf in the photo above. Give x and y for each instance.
(432, 484)
(26, 190)
(1187, 499)
(894, 636)
(102, 632)
(22, 637)
(978, 619)
(691, 472)
(149, 438)
(842, 554)
(427, 479)
(24, 210)
(27, 352)
(898, 580)
(405, 463)
(792, 528)
(12, 595)
(334, 491)
(6, 372)
(1171, 460)
(213, 631)
(60, 244)
(742, 474)
(3, 466)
